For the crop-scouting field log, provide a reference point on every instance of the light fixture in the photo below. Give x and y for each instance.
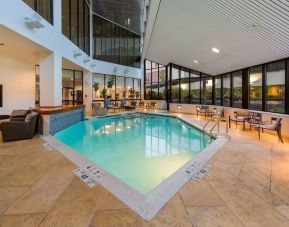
(215, 50)
(92, 64)
(196, 61)
(255, 28)
(77, 53)
(86, 60)
(179, 107)
(34, 21)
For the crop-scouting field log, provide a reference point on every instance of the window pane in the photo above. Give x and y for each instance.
(275, 87)
(97, 34)
(74, 23)
(137, 84)
(110, 90)
(237, 89)
(81, 24)
(175, 85)
(208, 88)
(129, 88)
(185, 80)
(78, 87)
(65, 18)
(255, 79)
(162, 82)
(98, 78)
(119, 91)
(148, 80)
(87, 29)
(45, 9)
(195, 87)
(218, 91)
(227, 90)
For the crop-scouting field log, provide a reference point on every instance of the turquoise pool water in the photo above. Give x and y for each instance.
(139, 149)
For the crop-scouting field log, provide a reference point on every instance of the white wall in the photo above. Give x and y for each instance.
(18, 80)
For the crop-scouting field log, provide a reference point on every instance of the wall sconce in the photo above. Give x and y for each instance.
(86, 60)
(34, 21)
(77, 53)
(92, 64)
(179, 107)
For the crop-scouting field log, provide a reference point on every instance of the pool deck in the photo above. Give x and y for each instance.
(248, 185)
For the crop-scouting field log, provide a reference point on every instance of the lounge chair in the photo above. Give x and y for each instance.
(273, 125)
(239, 116)
(254, 119)
(19, 129)
(202, 110)
(151, 105)
(97, 110)
(141, 105)
(109, 105)
(124, 105)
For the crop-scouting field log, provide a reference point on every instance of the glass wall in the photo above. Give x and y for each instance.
(76, 23)
(185, 85)
(175, 84)
(255, 88)
(155, 81)
(43, 7)
(218, 90)
(237, 89)
(115, 87)
(262, 87)
(72, 87)
(207, 89)
(195, 87)
(115, 44)
(275, 87)
(226, 90)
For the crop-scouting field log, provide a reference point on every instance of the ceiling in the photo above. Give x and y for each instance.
(247, 33)
(19, 47)
(124, 12)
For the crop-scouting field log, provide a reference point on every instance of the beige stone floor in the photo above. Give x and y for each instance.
(248, 185)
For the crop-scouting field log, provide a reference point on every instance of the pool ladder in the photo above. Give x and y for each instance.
(216, 123)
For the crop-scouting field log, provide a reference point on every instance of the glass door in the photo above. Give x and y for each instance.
(72, 87)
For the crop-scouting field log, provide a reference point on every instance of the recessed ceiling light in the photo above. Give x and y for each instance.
(196, 61)
(255, 27)
(215, 50)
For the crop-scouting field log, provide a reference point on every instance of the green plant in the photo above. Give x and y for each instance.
(111, 82)
(137, 94)
(95, 86)
(131, 92)
(103, 92)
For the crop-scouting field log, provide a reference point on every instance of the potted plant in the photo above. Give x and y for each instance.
(103, 92)
(131, 93)
(137, 94)
(95, 87)
(110, 83)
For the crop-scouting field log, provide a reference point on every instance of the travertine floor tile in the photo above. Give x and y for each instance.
(113, 218)
(42, 195)
(247, 206)
(199, 194)
(8, 195)
(213, 216)
(26, 220)
(75, 207)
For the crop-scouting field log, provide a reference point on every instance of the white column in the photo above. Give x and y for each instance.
(57, 19)
(51, 80)
(87, 90)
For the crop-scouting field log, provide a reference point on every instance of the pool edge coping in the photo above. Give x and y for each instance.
(147, 206)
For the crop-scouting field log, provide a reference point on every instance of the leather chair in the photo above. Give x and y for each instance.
(19, 129)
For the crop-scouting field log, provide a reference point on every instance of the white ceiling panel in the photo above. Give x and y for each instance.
(247, 32)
